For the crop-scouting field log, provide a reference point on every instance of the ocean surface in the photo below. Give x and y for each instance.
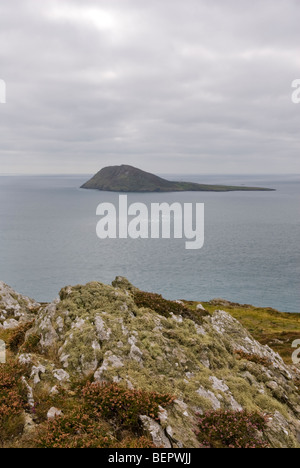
(251, 252)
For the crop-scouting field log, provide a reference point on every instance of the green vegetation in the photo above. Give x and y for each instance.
(114, 403)
(253, 358)
(166, 308)
(17, 336)
(31, 343)
(13, 401)
(130, 179)
(81, 430)
(96, 416)
(231, 429)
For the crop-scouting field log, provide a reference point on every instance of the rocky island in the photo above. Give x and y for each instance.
(130, 179)
(116, 367)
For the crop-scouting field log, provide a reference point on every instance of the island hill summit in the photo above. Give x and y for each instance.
(130, 179)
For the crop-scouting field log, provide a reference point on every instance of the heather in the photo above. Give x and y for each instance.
(233, 430)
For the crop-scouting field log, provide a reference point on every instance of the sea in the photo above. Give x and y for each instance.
(251, 253)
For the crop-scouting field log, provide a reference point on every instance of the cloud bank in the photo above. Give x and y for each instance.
(170, 86)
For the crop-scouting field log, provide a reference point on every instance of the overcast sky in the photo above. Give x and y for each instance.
(170, 86)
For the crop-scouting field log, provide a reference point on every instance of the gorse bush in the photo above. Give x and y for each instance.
(121, 405)
(231, 429)
(13, 400)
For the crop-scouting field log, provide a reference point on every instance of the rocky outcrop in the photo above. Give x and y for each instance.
(213, 364)
(15, 309)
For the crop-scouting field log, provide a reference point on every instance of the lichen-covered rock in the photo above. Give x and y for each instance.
(15, 309)
(209, 364)
(241, 340)
(154, 430)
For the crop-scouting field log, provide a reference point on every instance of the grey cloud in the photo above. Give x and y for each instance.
(170, 86)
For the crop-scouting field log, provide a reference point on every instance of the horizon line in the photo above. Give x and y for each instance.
(37, 174)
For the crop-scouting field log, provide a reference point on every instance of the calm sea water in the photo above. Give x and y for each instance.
(251, 252)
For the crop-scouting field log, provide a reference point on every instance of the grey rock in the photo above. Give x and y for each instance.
(155, 431)
(54, 413)
(210, 396)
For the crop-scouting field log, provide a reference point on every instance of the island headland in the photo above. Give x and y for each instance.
(131, 179)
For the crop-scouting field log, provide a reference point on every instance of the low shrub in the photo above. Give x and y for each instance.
(78, 429)
(43, 401)
(13, 400)
(106, 416)
(253, 358)
(17, 337)
(164, 307)
(231, 429)
(75, 430)
(121, 405)
(31, 344)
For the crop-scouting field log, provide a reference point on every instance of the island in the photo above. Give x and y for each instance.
(126, 178)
